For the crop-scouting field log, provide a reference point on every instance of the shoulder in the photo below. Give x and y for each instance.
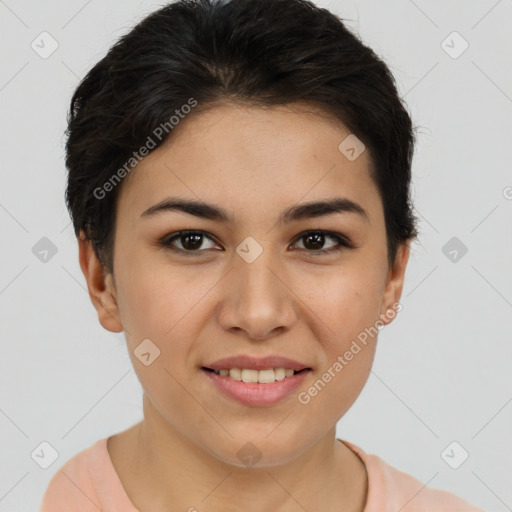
(72, 486)
(390, 489)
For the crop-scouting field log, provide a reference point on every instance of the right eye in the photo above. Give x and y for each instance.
(190, 241)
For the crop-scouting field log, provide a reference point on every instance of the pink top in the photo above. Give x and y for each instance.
(88, 482)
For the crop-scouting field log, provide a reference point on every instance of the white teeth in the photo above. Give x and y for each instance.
(280, 373)
(235, 373)
(262, 376)
(250, 375)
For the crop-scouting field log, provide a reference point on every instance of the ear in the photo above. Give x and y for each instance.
(394, 285)
(101, 286)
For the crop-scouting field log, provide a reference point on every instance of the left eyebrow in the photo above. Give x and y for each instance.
(292, 214)
(321, 208)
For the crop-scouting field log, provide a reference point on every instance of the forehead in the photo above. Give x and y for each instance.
(253, 158)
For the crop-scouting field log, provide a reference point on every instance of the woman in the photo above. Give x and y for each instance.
(239, 185)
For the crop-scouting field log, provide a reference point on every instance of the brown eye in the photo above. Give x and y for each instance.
(315, 241)
(191, 241)
(186, 241)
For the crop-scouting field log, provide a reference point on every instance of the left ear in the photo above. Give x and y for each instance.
(394, 284)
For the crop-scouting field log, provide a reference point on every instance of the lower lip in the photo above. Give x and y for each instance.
(254, 393)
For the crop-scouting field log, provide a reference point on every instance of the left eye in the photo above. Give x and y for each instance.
(313, 241)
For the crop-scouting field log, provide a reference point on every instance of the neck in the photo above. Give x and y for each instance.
(170, 471)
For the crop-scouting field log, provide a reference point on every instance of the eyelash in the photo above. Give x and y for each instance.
(343, 242)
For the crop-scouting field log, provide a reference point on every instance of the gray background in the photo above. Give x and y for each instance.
(442, 369)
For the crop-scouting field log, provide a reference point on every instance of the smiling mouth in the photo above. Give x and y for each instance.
(265, 376)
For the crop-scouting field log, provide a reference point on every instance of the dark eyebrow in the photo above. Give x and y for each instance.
(294, 213)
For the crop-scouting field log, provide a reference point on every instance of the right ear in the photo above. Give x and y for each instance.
(101, 286)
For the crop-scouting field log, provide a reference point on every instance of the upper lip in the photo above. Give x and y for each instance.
(256, 363)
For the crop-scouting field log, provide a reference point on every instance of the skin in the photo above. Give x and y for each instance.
(213, 304)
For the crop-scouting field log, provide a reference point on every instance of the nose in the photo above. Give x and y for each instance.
(257, 300)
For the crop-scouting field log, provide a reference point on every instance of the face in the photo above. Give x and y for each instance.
(257, 283)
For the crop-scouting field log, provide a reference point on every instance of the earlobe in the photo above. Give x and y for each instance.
(101, 286)
(394, 284)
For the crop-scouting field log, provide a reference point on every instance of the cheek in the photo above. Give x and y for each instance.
(145, 310)
(154, 307)
(168, 307)
(347, 307)
(154, 298)
(345, 301)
